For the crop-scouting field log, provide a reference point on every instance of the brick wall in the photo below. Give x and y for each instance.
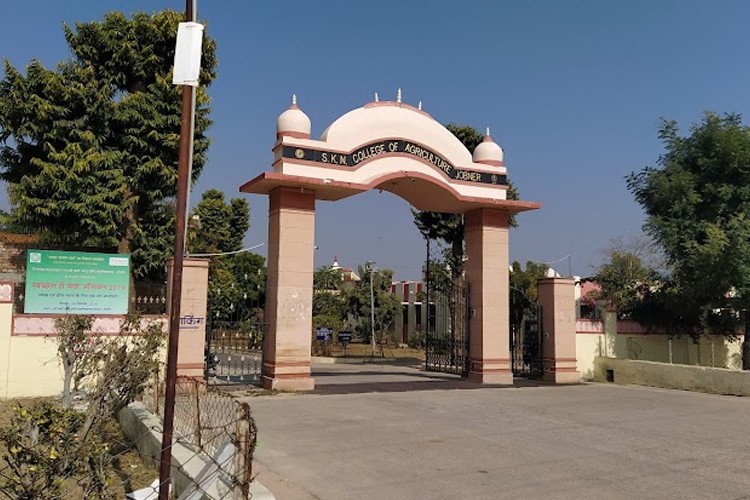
(13, 249)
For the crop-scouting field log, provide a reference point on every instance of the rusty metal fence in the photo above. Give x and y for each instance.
(219, 429)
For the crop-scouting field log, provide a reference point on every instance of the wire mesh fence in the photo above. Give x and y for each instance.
(220, 433)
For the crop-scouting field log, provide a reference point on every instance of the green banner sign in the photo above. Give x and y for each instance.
(60, 282)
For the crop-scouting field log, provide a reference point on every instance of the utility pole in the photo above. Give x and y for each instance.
(183, 174)
(370, 266)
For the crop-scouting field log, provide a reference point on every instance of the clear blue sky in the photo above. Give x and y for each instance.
(572, 90)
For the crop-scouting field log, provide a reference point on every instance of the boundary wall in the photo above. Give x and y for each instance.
(28, 352)
(684, 377)
(611, 338)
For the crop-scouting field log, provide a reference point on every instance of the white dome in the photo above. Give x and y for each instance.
(551, 273)
(293, 122)
(387, 119)
(488, 152)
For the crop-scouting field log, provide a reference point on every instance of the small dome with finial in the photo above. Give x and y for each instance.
(293, 122)
(488, 152)
(336, 264)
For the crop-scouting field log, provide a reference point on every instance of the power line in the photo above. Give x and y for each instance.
(226, 253)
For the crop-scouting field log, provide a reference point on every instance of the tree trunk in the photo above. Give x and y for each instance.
(67, 397)
(125, 246)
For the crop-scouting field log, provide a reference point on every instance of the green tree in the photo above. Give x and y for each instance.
(386, 305)
(237, 287)
(218, 226)
(90, 148)
(236, 280)
(329, 304)
(329, 301)
(327, 278)
(523, 291)
(622, 279)
(697, 204)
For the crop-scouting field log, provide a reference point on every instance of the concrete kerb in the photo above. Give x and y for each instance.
(143, 429)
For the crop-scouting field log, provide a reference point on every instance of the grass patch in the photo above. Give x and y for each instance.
(359, 350)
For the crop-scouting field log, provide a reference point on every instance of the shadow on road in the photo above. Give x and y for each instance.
(359, 379)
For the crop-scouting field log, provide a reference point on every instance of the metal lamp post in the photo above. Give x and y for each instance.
(186, 70)
(370, 267)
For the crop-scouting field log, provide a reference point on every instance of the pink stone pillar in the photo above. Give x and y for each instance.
(193, 306)
(487, 274)
(557, 299)
(291, 236)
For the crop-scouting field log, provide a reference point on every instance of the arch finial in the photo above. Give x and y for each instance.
(419, 106)
(377, 98)
(488, 132)
(398, 96)
(294, 99)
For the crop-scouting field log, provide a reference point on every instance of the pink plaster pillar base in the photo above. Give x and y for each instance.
(290, 377)
(487, 274)
(557, 300)
(291, 236)
(193, 306)
(560, 372)
(491, 372)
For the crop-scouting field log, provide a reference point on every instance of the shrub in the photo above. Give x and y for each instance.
(48, 446)
(417, 340)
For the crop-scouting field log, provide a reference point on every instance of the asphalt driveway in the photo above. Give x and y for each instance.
(379, 431)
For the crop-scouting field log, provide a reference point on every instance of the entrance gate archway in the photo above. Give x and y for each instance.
(394, 147)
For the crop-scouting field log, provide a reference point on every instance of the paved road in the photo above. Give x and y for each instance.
(394, 432)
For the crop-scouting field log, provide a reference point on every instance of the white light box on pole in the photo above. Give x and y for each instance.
(187, 54)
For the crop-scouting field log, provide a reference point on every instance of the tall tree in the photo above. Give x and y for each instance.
(523, 291)
(90, 148)
(329, 307)
(236, 280)
(622, 279)
(386, 305)
(697, 204)
(219, 226)
(640, 245)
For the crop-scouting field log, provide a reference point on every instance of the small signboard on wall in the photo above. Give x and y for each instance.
(59, 282)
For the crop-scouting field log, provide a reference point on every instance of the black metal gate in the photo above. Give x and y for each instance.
(234, 350)
(526, 347)
(447, 331)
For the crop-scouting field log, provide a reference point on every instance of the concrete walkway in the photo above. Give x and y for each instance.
(382, 431)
